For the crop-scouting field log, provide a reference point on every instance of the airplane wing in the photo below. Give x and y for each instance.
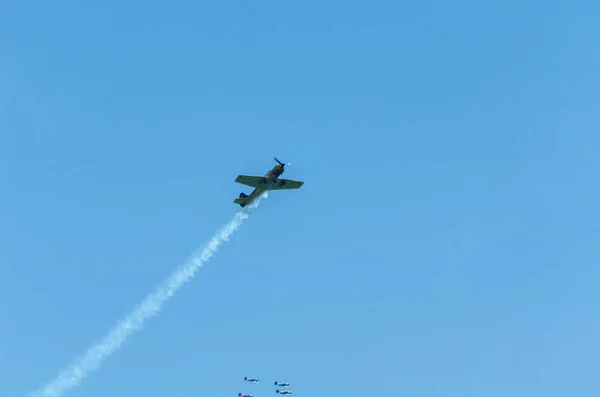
(286, 184)
(252, 181)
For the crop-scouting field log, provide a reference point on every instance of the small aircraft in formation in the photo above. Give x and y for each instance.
(270, 181)
(276, 383)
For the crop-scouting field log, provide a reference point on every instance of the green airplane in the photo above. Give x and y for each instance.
(270, 181)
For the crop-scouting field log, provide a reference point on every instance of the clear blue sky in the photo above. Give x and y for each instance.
(445, 242)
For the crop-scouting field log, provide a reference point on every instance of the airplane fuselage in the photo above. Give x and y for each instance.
(269, 180)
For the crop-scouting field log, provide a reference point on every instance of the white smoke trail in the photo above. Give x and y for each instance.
(134, 321)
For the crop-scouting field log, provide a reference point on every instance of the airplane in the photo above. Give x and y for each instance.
(287, 392)
(244, 395)
(270, 181)
(283, 384)
(253, 380)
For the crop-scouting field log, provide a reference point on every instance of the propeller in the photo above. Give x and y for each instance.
(280, 163)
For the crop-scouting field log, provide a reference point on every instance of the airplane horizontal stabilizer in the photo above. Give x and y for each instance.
(242, 201)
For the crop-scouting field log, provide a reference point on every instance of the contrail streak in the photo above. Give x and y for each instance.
(134, 321)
